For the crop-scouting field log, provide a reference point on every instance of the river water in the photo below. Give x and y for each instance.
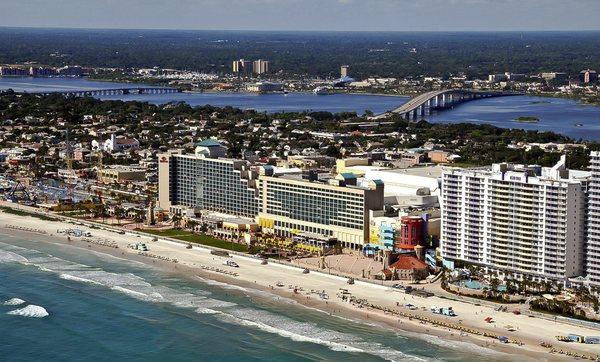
(563, 116)
(80, 304)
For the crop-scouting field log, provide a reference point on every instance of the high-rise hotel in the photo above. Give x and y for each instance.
(336, 208)
(593, 223)
(284, 204)
(207, 181)
(524, 220)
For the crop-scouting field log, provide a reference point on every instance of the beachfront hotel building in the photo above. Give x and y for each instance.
(524, 220)
(335, 208)
(286, 204)
(593, 222)
(203, 181)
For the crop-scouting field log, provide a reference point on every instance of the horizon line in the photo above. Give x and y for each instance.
(2, 27)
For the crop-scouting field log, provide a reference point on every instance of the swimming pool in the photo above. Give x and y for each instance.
(477, 285)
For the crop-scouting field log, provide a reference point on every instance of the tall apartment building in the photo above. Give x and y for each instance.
(593, 225)
(588, 76)
(260, 66)
(204, 182)
(344, 71)
(525, 220)
(336, 208)
(242, 67)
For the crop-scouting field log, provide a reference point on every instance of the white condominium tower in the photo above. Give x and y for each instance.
(593, 227)
(525, 220)
(260, 66)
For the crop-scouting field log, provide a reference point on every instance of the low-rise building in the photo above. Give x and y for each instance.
(264, 87)
(409, 268)
(121, 174)
(116, 144)
(437, 156)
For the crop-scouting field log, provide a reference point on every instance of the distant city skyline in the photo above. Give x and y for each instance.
(322, 15)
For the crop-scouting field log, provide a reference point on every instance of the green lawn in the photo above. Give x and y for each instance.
(197, 238)
(9, 210)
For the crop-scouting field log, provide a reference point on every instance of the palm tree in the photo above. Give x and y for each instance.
(119, 212)
(494, 283)
(139, 216)
(176, 221)
(191, 224)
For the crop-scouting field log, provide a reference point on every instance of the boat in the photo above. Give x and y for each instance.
(231, 263)
(578, 124)
(321, 91)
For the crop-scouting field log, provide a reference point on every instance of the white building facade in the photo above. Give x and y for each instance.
(593, 226)
(528, 221)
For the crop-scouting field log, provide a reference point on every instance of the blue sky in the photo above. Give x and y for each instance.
(346, 15)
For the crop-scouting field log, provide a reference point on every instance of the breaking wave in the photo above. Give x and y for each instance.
(14, 301)
(31, 311)
(10, 257)
(200, 302)
(309, 332)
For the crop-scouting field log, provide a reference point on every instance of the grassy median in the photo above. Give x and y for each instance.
(197, 239)
(10, 210)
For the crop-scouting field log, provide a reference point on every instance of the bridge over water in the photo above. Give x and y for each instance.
(110, 91)
(439, 100)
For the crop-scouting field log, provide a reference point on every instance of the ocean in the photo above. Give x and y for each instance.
(62, 303)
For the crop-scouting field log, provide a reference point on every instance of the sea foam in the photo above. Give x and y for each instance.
(74, 278)
(221, 284)
(10, 257)
(31, 311)
(14, 301)
(312, 333)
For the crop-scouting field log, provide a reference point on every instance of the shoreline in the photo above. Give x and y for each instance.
(189, 266)
(256, 291)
